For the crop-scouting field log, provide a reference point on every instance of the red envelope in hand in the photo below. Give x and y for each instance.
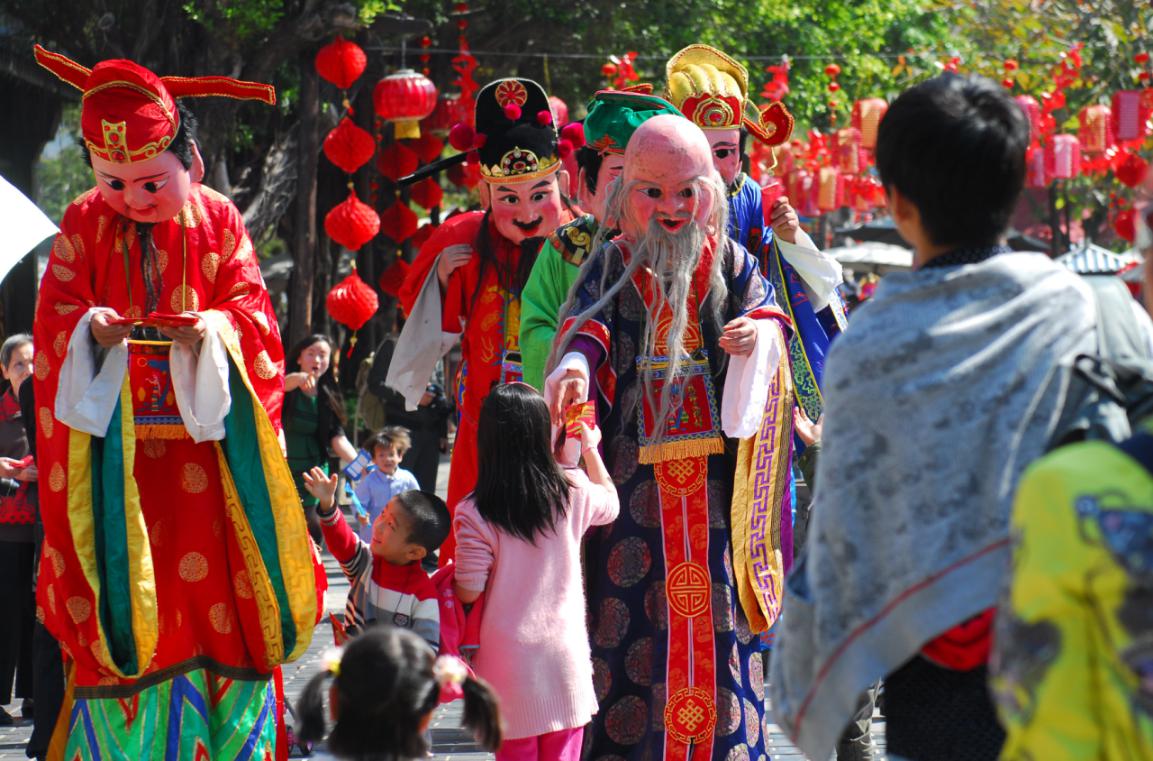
(585, 412)
(25, 462)
(162, 320)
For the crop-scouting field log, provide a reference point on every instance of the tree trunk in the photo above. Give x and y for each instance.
(305, 244)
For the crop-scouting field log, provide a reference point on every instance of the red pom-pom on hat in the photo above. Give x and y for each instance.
(512, 112)
(564, 148)
(574, 133)
(544, 117)
(462, 137)
(480, 140)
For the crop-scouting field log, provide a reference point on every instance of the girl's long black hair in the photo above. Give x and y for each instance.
(327, 389)
(385, 686)
(519, 487)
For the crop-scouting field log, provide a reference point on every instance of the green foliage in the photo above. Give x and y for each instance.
(64, 175)
(242, 19)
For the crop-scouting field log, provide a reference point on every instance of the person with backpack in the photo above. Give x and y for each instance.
(1073, 657)
(948, 386)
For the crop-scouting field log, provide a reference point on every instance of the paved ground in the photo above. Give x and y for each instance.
(450, 743)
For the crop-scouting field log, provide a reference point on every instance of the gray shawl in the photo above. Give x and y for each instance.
(946, 385)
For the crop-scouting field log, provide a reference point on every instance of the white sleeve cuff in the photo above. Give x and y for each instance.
(85, 397)
(200, 381)
(820, 273)
(747, 383)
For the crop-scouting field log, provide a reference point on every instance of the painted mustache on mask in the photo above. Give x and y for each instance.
(529, 226)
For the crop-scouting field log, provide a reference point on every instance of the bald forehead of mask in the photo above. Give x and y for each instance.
(666, 148)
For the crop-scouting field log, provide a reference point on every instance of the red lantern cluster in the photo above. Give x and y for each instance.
(341, 62)
(352, 223)
(348, 146)
(405, 98)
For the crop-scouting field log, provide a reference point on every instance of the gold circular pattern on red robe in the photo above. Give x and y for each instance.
(242, 585)
(156, 534)
(56, 559)
(688, 589)
(191, 215)
(40, 365)
(63, 249)
(261, 322)
(62, 273)
(690, 715)
(101, 228)
(229, 247)
(209, 265)
(681, 477)
(238, 290)
(264, 366)
(220, 618)
(56, 478)
(65, 309)
(184, 299)
(161, 260)
(79, 609)
(193, 478)
(50, 593)
(47, 422)
(193, 567)
(60, 343)
(153, 449)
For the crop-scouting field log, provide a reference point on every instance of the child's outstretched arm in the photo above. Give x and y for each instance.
(594, 465)
(322, 486)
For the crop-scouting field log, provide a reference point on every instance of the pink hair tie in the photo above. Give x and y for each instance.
(450, 673)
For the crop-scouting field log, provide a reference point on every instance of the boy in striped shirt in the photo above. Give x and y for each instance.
(387, 583)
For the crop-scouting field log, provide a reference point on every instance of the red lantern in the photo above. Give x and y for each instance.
(393, 277)
(1032, 111)
(1063, 157)
(397, 161)
(399, 222)
(832, 70)
(352, 302)
(348, 146)
(341, 62)
(405, 98)
(352, 223)
(465, 175)
(1125, 225)
(1036, 176)
(866, 117)
(427, 193)
(830, 189)
(427, 147)
(1130, 114)
(1096, 129)
(559, 111)
(1130, 169)
(848, 148)
(448, 111)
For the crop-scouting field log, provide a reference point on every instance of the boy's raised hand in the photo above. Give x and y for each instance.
(322, 486)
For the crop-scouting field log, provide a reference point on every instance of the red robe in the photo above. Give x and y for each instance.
(490, 340)
(206, 611)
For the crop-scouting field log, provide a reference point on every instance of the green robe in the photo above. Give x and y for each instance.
(547, 289)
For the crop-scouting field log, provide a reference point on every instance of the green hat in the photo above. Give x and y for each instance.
(613, 116)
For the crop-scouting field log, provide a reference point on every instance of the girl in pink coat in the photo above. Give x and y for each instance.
(518, 540)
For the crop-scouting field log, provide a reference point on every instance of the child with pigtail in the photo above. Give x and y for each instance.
(385, 684)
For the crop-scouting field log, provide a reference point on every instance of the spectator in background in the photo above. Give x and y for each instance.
(313, 418)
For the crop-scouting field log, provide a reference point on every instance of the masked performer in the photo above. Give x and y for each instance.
(177, 572)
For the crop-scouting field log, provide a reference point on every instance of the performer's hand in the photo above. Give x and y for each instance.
(188, 335)
(785, 220)
(306, 382)
(808, 431)
(105, 334)
(571, 389)
(739, 337)
(452, 259)
(9, 468)
(322, 486)
(28, 474)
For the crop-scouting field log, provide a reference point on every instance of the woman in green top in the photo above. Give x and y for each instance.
(313, 417)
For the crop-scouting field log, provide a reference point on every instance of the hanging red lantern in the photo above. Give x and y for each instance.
(427, 147)
(405, 98)
(1036, 176)
(427, 194)
(1032, 111)
(1130, 115)
(396, 161)
(1125, 225)
(352, 302)
(1096, 128)
(831, 189)
(832, 70)
(341, 62)
(1063, 157)
(399, 222)
(348, 146)
(393, 277)
(848, 150)
(866, 117)
(352, 223)
(1130, 169)
(423, 233)
(448, 111)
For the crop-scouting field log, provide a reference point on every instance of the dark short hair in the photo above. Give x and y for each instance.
(181, 144)
(391, 435)
(955, 147)
(590, 161)
(428, 518)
